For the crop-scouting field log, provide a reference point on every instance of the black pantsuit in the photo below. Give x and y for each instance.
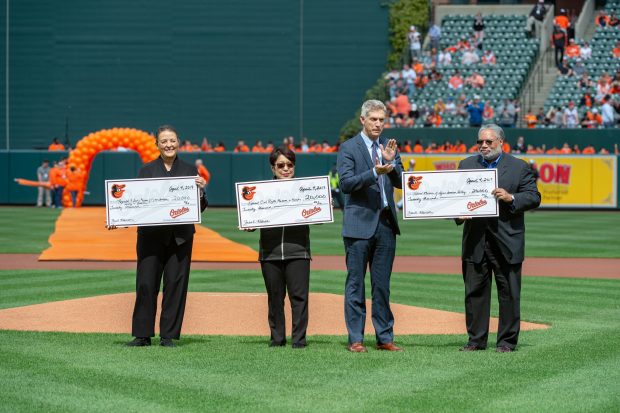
(292, 276)
(164, 251)
(157, 259)
(284, 254)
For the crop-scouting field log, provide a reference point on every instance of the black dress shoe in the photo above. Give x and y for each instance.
(471, 347)
(139, 342)
(504, 349)
(299, 345)
(167, 342)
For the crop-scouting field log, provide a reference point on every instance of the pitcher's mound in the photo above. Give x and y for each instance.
(240, 314)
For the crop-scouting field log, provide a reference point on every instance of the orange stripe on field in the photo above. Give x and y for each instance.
(80, 234)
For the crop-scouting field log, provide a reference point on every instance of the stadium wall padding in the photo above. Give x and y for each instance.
(226, 169)
(224, 70)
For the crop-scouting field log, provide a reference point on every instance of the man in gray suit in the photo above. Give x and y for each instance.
(369, 167)
(496, 245)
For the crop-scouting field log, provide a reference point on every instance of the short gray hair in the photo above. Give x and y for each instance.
(372, 105)
(497, 130)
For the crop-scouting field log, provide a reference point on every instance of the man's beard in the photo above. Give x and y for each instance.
(493, 154)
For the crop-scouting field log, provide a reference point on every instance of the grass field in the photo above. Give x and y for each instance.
(572, 367)
(548, 233)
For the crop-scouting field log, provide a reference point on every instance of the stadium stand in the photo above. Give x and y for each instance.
(602, 71)
(513, 54)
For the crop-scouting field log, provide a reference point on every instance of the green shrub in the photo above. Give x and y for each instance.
(402, 14)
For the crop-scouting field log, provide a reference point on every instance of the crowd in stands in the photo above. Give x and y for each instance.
(586, 93)
(456, 74)
(463, 96)
(305, 145)
(520, 147)
(409, 147)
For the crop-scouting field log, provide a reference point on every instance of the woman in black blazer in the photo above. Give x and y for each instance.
(163, 250)
(284, 255)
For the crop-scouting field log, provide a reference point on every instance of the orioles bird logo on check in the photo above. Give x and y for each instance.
(117, 190)
(247, 192)
(414, 182)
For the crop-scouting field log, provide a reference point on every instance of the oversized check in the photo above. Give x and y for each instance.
(152, 201)
(283, 202)
(449, 194)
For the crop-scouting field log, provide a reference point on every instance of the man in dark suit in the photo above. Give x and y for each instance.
(163, 250)
(369, 168)
(496, 245)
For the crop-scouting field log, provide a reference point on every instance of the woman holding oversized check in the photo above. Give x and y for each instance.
(284, 254)
(164, 250)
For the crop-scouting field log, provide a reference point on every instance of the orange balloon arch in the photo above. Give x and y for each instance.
(89, 146)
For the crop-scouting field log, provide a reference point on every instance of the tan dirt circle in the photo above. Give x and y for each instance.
(243, 314)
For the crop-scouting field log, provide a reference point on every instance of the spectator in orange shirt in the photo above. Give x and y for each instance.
(459, 147)
(530, 119)
(573, 50)
(203, 171)
(327, 148)
(75, 183)
(206, 145)
(403, 106)
(576, 149)
(56, 146)
(553, 151)
(488, 113)
(406, 148)
(417, 66)
(220, 147)
(421, 81)
(432, 148)
(506, 147)
(456, 81)
(616, 51)
(417, 147)
(241, 146)
(562, 20)
(186, 147)
(566, 149)
(58, 181)
(258, 146)
(602, 19)
(588, 150)
(462, 44)
(446, 147)
(391, 108)
(433, 120)
(591, 119)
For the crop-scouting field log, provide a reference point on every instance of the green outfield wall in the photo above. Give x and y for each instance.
(228, 168)
(225, 70)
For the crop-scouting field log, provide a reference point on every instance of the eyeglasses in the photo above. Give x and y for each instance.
(489, 142)
(281, 165)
